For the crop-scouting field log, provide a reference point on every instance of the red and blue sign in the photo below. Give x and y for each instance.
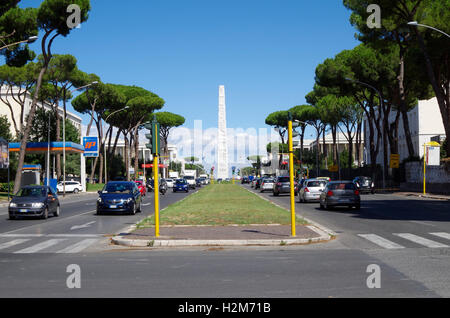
(90, 145)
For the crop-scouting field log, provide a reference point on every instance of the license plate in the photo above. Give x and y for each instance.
(23, 210)
(113, 206)
(344, 200)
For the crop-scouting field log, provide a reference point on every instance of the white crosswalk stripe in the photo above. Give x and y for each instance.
(378, 240)
(420, 240)
(39, 247)
(442, 234)
(12, 243)
(77, 247)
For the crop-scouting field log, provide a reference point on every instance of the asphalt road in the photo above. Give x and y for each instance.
(340, 268)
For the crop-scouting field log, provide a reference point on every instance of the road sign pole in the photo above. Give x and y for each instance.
(424, 168)
(291, 177)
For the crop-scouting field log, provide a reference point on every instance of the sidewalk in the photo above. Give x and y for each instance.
(232, 235)
(426, 196)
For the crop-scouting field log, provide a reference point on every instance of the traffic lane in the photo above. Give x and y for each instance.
(71, 206)
(383, 213)
(294, 272)
(79, 219)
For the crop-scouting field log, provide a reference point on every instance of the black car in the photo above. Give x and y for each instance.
(34, 201)
(119, 196)
(283, 185)
(364, 184)
(340, 193)
(198, 183)
(245, 180)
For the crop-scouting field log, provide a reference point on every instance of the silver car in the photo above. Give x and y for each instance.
(340, 193)
(311, 190)
(267, 184)
(169, 182)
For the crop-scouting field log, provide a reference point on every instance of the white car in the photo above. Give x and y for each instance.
(267, 184)
(71, 186)
(170, 183)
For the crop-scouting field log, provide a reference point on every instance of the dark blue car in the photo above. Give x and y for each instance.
(181, 185)
(119, 197)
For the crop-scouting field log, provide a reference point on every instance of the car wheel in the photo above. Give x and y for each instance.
(45, 214)
(75, 191)
(58, 210)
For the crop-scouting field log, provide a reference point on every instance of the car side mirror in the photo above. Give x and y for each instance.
(99, 192)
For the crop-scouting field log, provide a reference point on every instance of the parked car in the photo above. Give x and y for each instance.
(311, 190)
(119, 196)
(364, 184)
(71, 186)
(34, 201)
(340, 193)
(282, 185)
(267, 184)
(142, 188)
(169, 182)
(181, 185)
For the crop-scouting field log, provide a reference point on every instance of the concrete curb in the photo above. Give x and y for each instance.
(192, 243)
(324, 236)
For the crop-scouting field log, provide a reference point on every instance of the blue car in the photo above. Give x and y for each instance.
(181, 185)
(119, 197)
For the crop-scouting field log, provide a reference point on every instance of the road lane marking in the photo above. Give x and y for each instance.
(50, 235)
(83, 226)
(420, 240)
(40, 246)
(378, 240)
(12, 243)
(442, 234)
(77, 247)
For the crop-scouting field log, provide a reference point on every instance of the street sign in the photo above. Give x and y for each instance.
(91, 146)
(395, 161)
(433, 156)
(4, 154)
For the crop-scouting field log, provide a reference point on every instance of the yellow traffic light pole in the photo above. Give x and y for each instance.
(156, 187)
(291, 176)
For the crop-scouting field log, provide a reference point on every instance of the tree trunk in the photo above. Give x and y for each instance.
(443, 102)
(26, 132)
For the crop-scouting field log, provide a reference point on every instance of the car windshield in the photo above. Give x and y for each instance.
(32, 192)
(283, 179)
(189, 177)
(181, 181)
(316, 184)
(118, 188)
(268, 180)
(341, 186)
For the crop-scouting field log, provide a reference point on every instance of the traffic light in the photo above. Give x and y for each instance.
(154, 137)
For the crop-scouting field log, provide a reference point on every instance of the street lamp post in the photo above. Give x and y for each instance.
(416, 24)
(104, 141)
(64, 132)
(31, 39)
(382, 106)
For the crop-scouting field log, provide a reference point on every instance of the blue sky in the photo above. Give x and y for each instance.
(264, 52)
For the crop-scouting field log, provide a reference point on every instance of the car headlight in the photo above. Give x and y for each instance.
(13, 205)
(99, 200)
(129, 200)
(37, 205)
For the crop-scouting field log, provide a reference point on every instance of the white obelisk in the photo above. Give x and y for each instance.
(222, 147)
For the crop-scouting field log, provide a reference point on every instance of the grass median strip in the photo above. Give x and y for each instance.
(222, 204)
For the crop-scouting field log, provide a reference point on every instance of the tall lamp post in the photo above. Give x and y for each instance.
(64, 132)
(382, 106)
(104, 141)
(31, 39)
(416, 24)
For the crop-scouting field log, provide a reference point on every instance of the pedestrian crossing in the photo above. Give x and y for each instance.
(54, 244)
(409, 240)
